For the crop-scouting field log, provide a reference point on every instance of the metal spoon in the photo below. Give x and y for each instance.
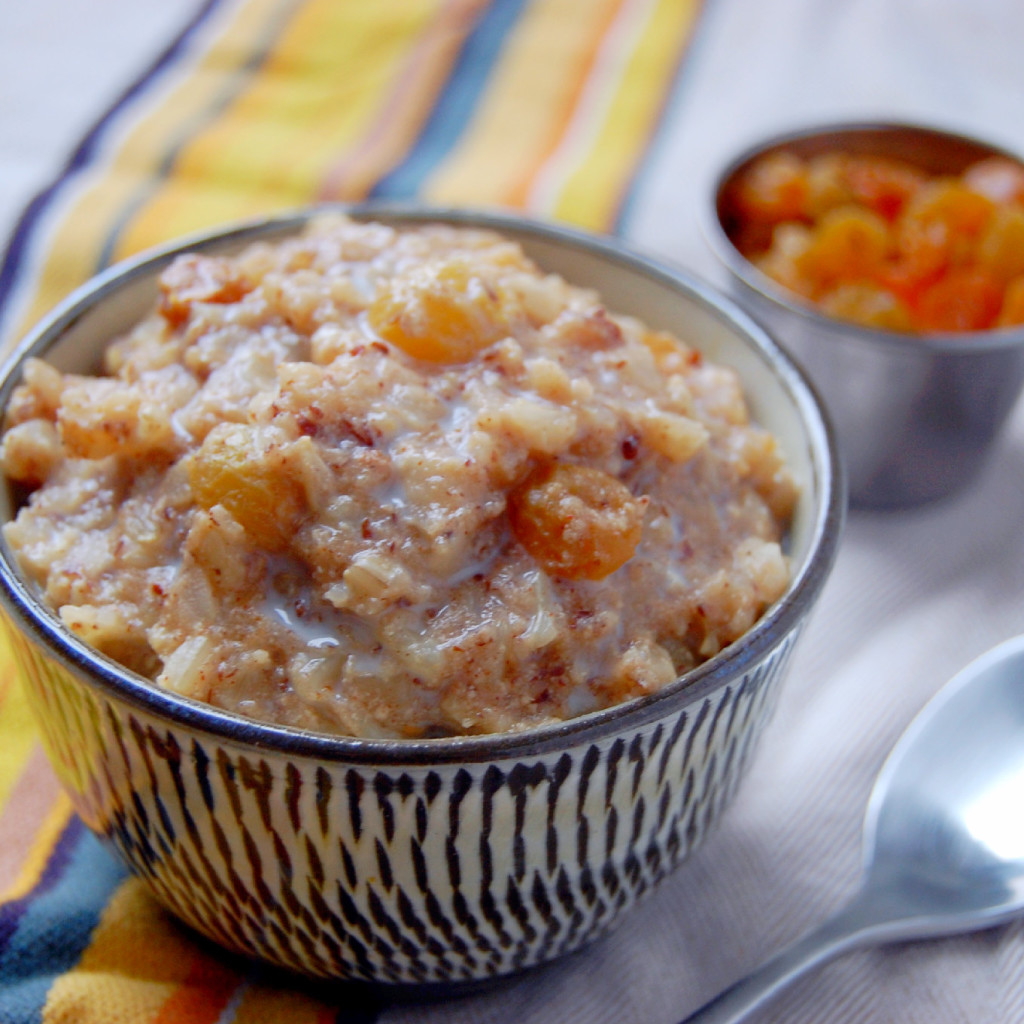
(943, 833)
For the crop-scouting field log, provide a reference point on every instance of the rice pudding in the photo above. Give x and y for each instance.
(382, 482)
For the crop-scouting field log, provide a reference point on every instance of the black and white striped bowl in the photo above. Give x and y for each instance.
(441, 860)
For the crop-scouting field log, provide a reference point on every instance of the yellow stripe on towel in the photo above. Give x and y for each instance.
(318, 93)
(230, 141)
(611, 137)
(402, 116)
(530, 97)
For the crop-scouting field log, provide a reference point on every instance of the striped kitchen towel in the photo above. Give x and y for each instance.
(261, 105)
(550, 106)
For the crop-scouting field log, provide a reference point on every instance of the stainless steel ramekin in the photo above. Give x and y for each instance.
(916, 415)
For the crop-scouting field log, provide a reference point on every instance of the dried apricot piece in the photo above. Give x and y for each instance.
(964, 211)
(576, 521)
(441, 313)
(963, 300)
(242, 468)
(193, 278)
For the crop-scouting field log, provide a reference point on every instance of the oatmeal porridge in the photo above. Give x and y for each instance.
(396, 482)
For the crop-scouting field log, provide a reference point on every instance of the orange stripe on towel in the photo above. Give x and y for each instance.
(525, 102)
(141, 967)
(585, 61)
(406, 109)
(262, 1004)
(204, 994)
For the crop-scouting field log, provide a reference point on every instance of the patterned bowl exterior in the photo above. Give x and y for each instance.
(407, 873)
(432, 861)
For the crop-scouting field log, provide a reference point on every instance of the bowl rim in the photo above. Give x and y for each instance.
(101, 673)
(951, 342)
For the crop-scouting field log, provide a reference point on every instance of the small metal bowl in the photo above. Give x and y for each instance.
(430, 861)
(916, 414)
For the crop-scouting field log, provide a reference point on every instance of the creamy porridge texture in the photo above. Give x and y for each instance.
(397, 482)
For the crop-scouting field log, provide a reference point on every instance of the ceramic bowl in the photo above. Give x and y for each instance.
(436, 860)
(916, 415)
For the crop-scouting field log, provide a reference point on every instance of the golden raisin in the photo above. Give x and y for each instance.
(849, 242)
(774, 189)
(442, 313)
(1001, 246)
(964, 211)
(576, 521)
(670, 354)
(881, 242)
(241, 468)
(193, 278)
(922, 255)
(1012, 312)
(862, 302)
(1000, 179)
(827, 185)
(785, 261)
(963, 300)
(883, 185)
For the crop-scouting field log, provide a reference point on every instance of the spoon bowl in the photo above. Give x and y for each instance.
(943, 833)
(944, 824)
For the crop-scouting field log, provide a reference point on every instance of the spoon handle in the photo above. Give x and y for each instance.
(849, 928)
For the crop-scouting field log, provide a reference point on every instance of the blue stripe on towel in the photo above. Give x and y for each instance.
(44, 934)
(455, 105)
